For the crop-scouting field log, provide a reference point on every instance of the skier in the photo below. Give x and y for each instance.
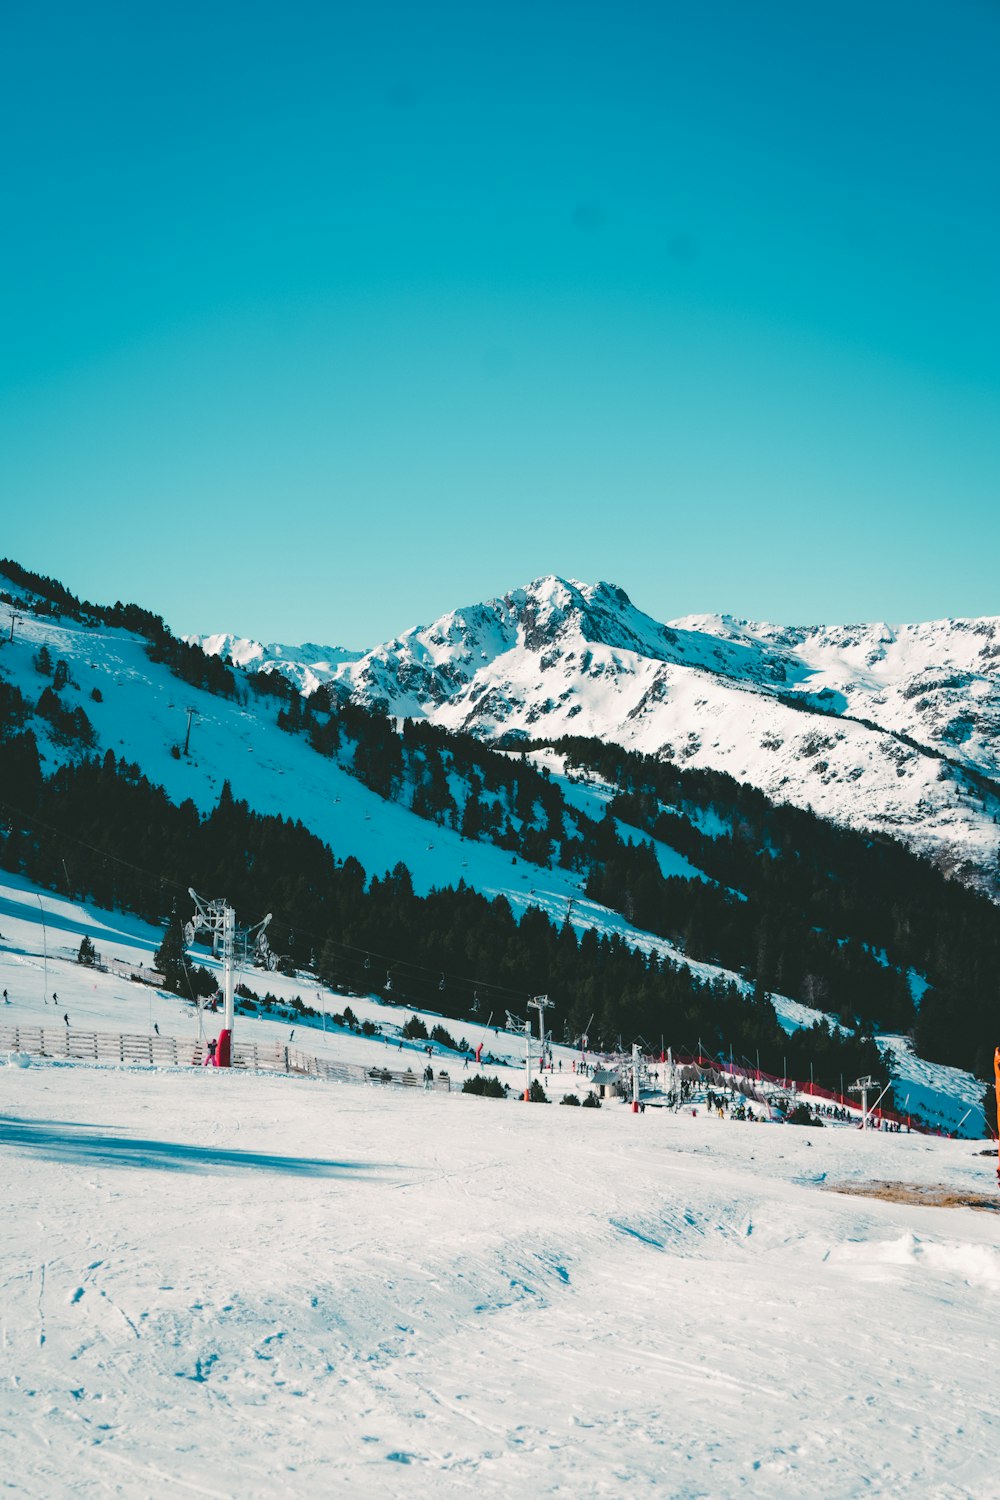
(428, 1077)
(66, 1018)
(156, 1028)
(210, 1054)
(5, 1000)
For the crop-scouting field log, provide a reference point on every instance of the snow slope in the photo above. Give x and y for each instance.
(308, 666)
(142, 714)
(40, 934)
(226, 1285)
(561, 657)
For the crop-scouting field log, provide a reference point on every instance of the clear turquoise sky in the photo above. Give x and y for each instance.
(319, 319)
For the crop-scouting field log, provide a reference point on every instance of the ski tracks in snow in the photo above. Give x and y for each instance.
(502, 1299)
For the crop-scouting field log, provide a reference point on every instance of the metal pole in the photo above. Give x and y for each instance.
(527, 1057)
(229, 965)
(635, 1078)
(881, 1096)
(45, 953)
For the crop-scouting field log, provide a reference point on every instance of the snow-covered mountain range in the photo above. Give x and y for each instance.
(87, 681)
(308, 666)
(892, 728)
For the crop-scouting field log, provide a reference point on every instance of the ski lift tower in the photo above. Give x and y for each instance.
(515, 1024)
(863, 1086)
(233, 945)
(541, 1003)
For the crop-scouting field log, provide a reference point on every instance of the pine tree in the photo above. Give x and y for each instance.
(170, 956)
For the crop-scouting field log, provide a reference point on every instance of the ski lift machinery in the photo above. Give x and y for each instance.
(234, 946)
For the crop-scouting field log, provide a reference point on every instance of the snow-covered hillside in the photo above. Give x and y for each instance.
(308, 666)
(778, 707)
(228, 1285)
(143, 713)
(40, 936)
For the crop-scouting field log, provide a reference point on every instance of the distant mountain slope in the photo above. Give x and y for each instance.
(308, 666)
(678, 861)
(890, 728)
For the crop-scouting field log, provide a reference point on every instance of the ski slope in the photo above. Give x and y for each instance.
(232, 1285)
(223, 1285)
(40, 934)
(141, 715)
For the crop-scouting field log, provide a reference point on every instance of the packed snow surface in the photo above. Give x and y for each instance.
(228, 1285)
(232, 1285)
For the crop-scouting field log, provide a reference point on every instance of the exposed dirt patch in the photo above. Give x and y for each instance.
(930, 1195)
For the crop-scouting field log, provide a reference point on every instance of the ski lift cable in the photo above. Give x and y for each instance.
(168, 881)
(177, 885)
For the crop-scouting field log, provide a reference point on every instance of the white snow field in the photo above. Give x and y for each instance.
(234, 1285)
(246, 1286)
(142, 713)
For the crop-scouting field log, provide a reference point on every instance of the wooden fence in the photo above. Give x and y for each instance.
(150, 1050)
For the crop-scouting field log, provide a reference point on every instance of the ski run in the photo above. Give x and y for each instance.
(224, 1283)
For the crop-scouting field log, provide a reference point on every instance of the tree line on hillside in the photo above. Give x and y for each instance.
(794, 903)
(832, 915)
(189, 663)
(91, 828)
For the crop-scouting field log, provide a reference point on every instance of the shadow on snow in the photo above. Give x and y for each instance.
(82, 1144)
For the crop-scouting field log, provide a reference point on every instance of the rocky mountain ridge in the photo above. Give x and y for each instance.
(894, 728)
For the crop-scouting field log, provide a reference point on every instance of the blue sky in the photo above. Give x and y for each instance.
(321, 319)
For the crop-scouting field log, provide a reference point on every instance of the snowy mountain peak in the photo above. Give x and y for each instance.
(308, 665)
(879, 726)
